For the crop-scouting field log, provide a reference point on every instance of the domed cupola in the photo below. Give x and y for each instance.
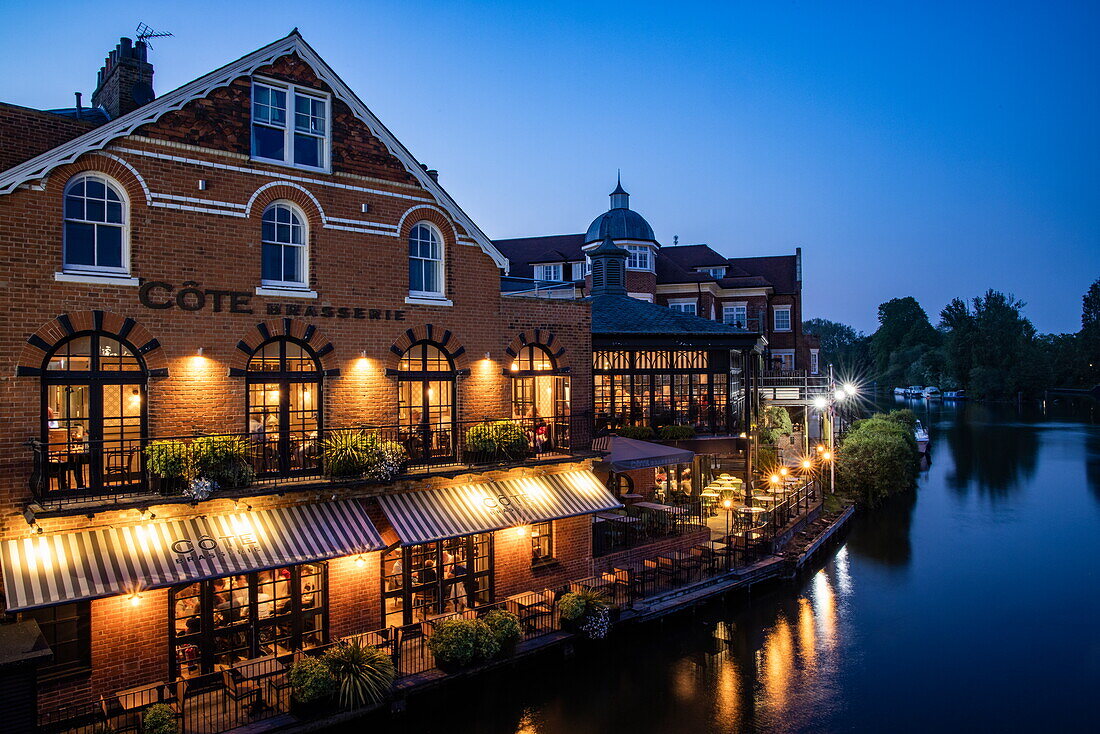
(620, 222)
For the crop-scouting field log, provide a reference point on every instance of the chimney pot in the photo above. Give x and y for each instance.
(126, 80)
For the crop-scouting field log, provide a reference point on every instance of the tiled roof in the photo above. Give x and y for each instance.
(523, 251)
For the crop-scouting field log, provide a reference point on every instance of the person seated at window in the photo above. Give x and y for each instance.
(256, 427)
(51, 418)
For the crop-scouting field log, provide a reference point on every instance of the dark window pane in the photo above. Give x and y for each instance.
(290, 264)
(268, 230)
(110, 247)
(307, 150)
(97, 211)
(114, 212)
(267, 143)
(416, 281)
(96, 189)
(79, 244)
(272, 269)
(74, 207)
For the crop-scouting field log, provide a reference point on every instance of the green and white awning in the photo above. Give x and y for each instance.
(449, 512)
(55, 568)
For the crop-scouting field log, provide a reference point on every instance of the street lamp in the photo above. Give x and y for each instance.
(828, 404)
(728, 505)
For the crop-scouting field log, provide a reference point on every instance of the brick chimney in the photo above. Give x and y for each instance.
(126, 80)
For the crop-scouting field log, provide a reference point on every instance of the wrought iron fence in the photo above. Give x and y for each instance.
(644, 523)
(115, 469)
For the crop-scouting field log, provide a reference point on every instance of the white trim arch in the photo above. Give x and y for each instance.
(291, 184)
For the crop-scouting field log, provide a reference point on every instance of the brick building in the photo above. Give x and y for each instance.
(759, 294)
(260, 387)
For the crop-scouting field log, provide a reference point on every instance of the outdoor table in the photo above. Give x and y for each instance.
(661, 508)
(140, 696)
(751, 510)
(259, 668)
(713, 545)
(613, 517)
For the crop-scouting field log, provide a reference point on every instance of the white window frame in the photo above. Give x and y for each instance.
(96, 270)
(578, 270)
(715, 272)
(728, 308)
(441, 265)
(303, 250)
(647, 297)
(637, 252)
(677, 304)
(782, 354)
(292, 90)
(815, 362)
(776, 310)
(553, 268)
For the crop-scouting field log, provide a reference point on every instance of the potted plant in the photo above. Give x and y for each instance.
(363, 674)
(159, 719)
(586, 612)
(457, 643)
(168, 459)
(640, 433)
(388, 459)
(506, 630)
(496, 441)
(311, 686)
(345, 453)
(224, 460)
(675, 433)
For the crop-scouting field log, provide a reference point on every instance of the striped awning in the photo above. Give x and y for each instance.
(448, 512)
(61, 567)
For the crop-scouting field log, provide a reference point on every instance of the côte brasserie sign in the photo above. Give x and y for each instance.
(157, 294)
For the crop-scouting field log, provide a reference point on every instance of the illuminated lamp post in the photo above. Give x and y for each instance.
(727, 504)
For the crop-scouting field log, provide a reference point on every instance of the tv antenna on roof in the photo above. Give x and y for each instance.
(144, 33)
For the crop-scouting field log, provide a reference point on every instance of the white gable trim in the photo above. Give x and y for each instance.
(67, 152)
(291, 184)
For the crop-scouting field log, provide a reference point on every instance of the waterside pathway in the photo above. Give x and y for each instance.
(968, 605)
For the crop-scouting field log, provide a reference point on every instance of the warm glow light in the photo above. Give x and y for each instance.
(515, 366)
(850, 389)
(784, 471)
(743, 435)
(820, 402)
(135, 397)
(774, 479)
(820, 448)
(806, 464)
(360, 562)
(727, 504)
(827, 455)
(272, 396)
(135, 599)
(840, 394)
(522, 531)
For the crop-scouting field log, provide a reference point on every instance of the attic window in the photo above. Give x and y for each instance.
(548, 272)
(290, 125)
(719, 272)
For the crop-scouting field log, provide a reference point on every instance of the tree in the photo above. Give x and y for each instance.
(1089, 337)
(878, 457)
(903, 325)
(841, 345)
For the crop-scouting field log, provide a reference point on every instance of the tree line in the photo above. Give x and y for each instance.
(986, 346)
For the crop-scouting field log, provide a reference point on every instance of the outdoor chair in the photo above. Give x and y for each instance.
(118, 719)
(174, 695)
(239, 689)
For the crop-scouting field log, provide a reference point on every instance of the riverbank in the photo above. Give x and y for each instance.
(799, 545)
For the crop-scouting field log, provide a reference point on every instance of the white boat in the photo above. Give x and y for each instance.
(931, 393)
(914, 391)
(901, 390)
(955, 395)
(921, 434)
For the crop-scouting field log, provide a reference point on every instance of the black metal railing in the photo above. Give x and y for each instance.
(114, 469)
(639, 524)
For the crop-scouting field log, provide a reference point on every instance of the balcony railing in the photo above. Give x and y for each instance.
(792, 386)
(122, 469)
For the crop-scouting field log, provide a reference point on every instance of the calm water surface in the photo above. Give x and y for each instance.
(969, 605)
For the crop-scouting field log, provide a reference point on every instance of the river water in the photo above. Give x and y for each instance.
(972, 604)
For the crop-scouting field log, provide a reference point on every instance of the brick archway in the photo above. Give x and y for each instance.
(293, 328)
(542, 338)
(442, 337)
(123, 328)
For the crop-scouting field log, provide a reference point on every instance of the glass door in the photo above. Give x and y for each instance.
(421, 581)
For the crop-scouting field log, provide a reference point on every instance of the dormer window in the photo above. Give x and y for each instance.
(290, 125)
(714, 272)
(548, 272)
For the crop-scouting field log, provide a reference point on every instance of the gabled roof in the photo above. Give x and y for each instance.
(779, 270)
(100, 137)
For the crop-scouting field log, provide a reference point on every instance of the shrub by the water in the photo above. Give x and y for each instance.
(878, 457)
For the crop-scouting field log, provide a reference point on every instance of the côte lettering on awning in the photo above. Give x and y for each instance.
(61, 567)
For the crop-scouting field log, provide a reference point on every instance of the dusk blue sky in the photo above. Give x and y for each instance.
(925, 149)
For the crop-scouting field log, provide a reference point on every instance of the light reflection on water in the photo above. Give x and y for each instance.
(916, 623)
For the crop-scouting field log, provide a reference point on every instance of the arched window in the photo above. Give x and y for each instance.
(426, 401)
(95, 237)
(425, 261)
(284, 246)
(540, 398)
(93, 418)
(284, 407)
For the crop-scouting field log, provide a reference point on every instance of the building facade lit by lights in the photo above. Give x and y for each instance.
(261, 388)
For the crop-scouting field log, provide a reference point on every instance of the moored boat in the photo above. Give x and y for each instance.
(921, 434)
(931, 393)
(955, 395)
